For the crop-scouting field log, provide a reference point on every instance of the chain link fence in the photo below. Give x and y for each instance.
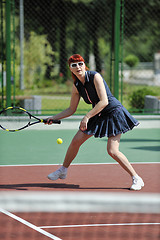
(48, 32)
(53, 31)
(141, 42)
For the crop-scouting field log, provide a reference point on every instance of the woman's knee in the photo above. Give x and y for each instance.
(112, 152)
(113, 145)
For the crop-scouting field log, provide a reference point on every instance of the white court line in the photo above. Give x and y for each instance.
(101, 225)
(74, 164)
(30, 225)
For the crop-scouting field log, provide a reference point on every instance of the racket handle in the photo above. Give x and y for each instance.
(52, 121)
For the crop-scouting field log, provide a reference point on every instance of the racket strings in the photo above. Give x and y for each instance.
(14, 119)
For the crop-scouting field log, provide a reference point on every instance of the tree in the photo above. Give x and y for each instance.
(79, 26)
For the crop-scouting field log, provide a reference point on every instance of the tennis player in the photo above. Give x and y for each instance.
(108, 117)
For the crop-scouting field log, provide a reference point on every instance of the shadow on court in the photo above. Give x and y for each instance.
(134, 140)
(139, 140)
(148, 148)
(38, 186)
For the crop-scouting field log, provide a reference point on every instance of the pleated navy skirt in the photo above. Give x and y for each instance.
(111, 124)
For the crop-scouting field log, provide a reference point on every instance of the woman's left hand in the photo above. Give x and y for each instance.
(83, 124)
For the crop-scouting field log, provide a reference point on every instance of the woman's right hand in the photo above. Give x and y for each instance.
(49, 120)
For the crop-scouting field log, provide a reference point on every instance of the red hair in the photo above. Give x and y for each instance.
(76, 58)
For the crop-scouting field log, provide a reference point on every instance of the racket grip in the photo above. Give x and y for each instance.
(52, 121)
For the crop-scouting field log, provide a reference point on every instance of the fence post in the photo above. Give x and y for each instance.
(21, 44)
(2, 51)
(121, 46)
(116, 47)
(8, 53)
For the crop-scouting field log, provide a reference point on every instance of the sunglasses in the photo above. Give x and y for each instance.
(78, 64)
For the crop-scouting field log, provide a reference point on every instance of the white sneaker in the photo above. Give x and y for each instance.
(137, 183)
(57, 174)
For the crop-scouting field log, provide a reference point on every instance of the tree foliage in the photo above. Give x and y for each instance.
(80, 26)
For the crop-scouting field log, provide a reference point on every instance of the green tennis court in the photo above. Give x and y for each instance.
(40, 147)
(28, 188)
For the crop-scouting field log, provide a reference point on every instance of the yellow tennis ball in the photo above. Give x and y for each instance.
(59, 141)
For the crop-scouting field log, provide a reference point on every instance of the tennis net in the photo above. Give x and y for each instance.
(79, 215)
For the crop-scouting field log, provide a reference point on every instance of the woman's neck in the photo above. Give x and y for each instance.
(82, 78)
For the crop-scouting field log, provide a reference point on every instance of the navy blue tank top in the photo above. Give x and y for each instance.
(89, 94)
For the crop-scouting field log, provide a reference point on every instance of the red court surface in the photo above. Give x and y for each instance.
(80, 226)
(85, 232)
(91, 177)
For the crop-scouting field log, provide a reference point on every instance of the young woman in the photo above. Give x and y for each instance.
(107, 118)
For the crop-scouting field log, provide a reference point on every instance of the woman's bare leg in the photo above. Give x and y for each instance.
(113, 151)
(73, 149)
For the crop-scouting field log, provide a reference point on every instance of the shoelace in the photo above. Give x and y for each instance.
(135, 180)
(61, 171)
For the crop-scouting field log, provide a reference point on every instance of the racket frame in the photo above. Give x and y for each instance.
(39, 120)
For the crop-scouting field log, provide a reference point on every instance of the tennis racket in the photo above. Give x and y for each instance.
(14, 119)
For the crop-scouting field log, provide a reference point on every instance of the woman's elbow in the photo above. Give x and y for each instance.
(105, 103)
(72, 111)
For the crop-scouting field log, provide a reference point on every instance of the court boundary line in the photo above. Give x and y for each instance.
(28, 224)
(74, 164)
(100, 225)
